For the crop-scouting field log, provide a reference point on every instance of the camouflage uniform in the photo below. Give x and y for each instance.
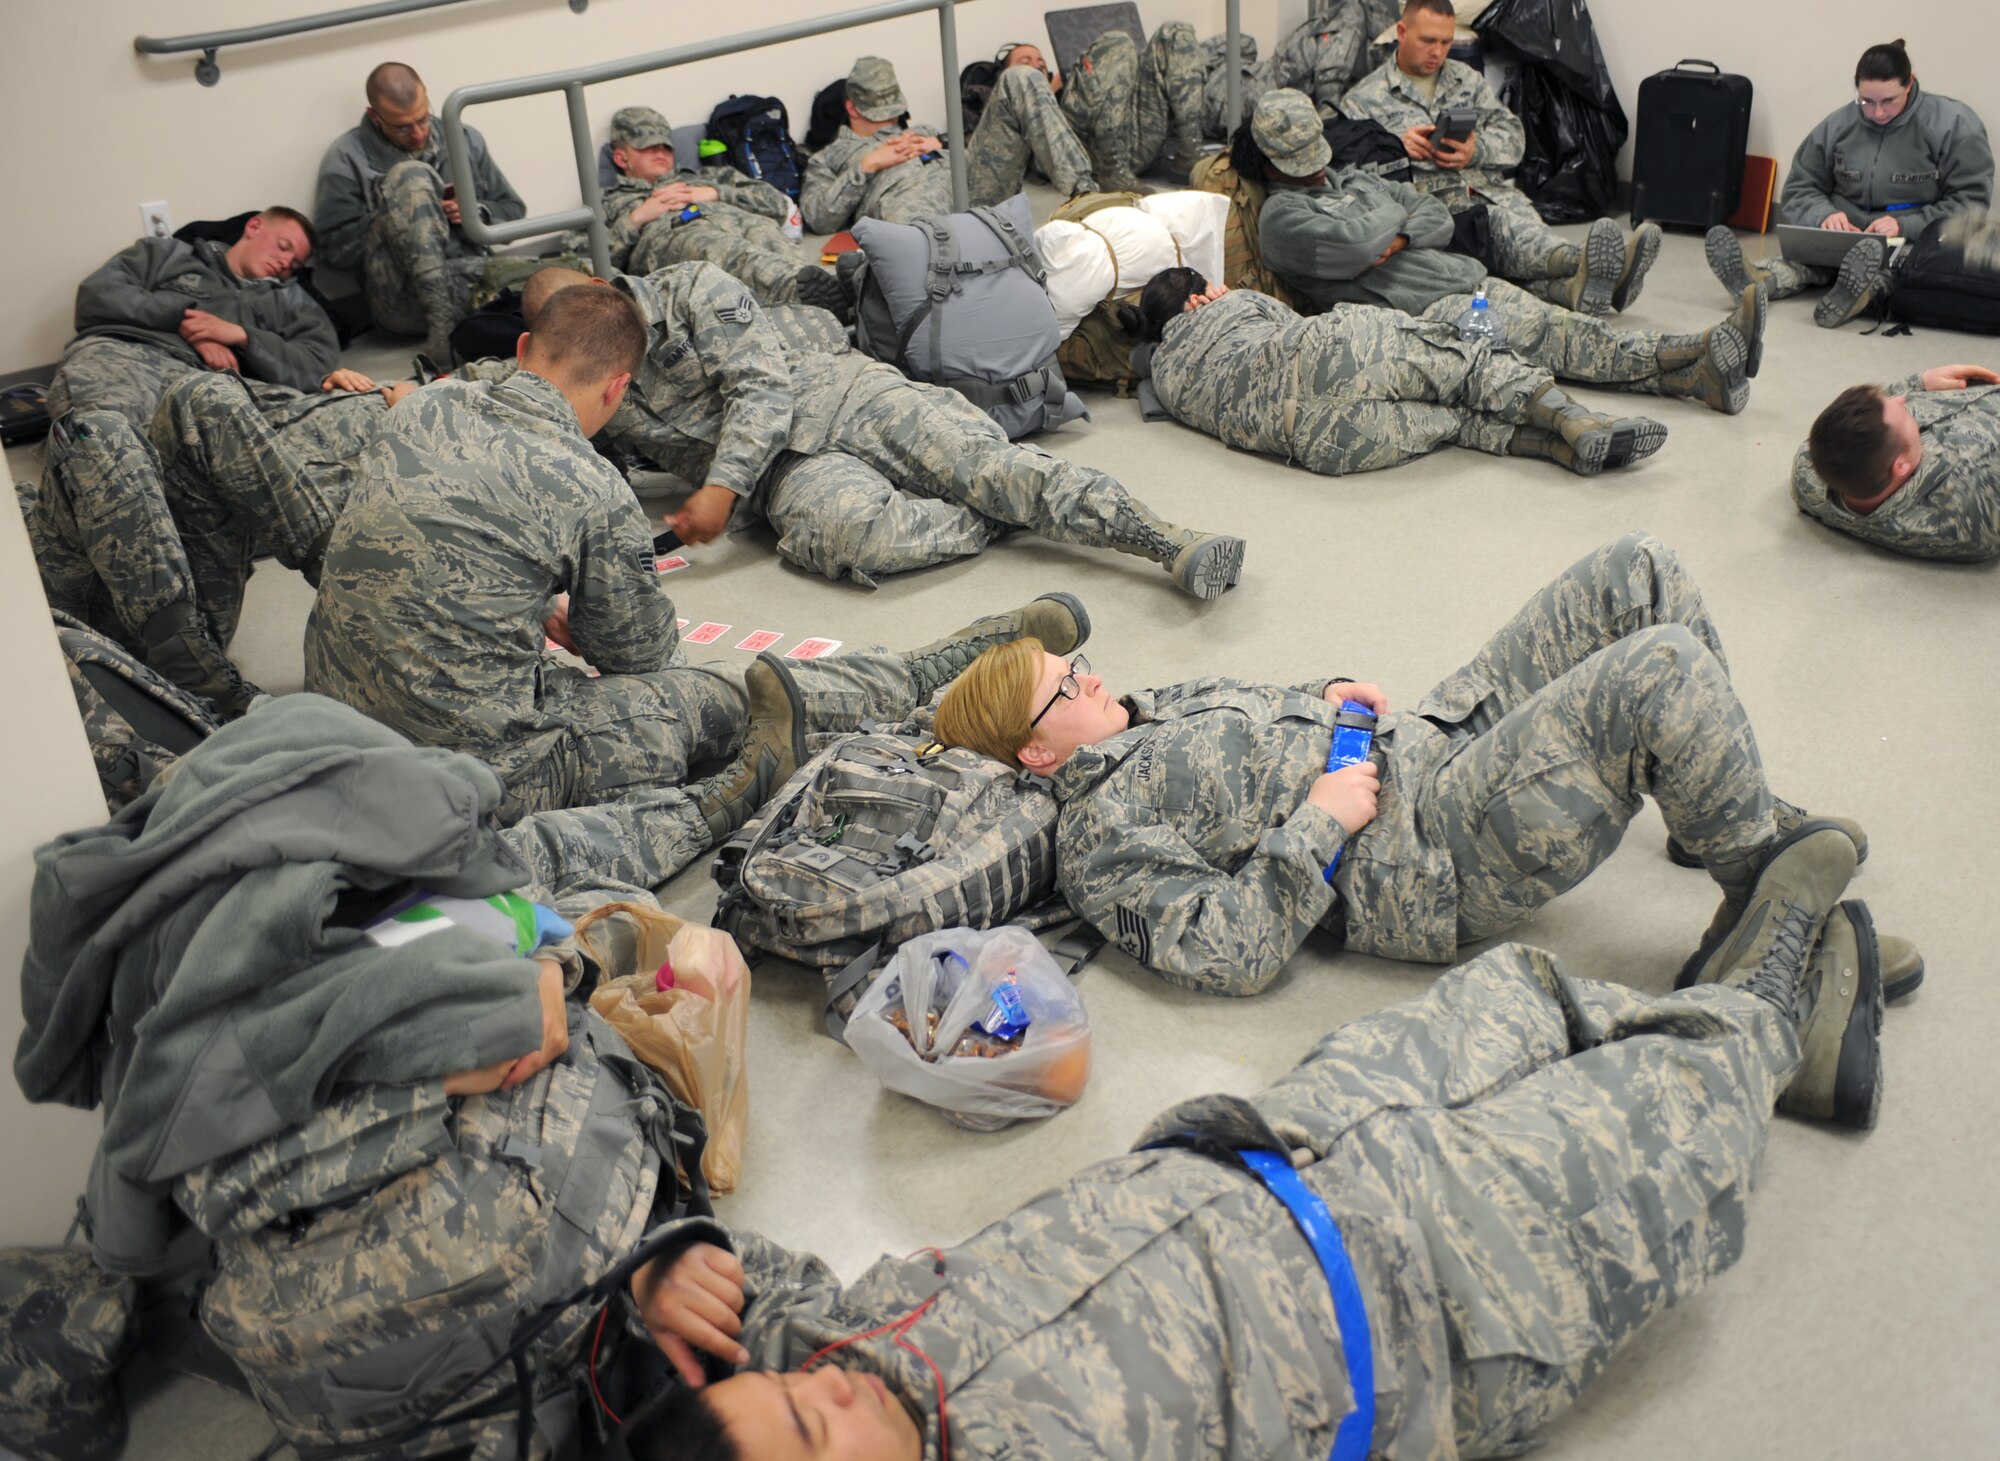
(128, 347)
(1331, 49)
(1188, 838)
(1524, 1168)
(479, 506)
(1525, 249)
(1215, 121)
(1351, 390)
(378, 211)
(1133, 112)
(1023, 119)
(65, 1328)
(1951, 508)
(835, 191)
(860, 470)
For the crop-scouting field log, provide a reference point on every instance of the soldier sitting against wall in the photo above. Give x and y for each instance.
(1202, 831)
(1914, 468)
(165, 308)
(860, 470)
(877, 165)
(1424, 1241)
(1359, 388)
(661, 213)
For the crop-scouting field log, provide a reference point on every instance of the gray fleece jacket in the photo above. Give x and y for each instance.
(1932, 159)
(200, 964)
(1324, 241)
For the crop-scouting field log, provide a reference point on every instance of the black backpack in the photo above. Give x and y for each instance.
(829, 114)
(756, 132)
(1940, 286)
(975, 89)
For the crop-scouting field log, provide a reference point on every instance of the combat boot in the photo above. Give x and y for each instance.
(1642, 251)
(1762, 933)
(1587, 443)
(1206, 565)
(1058, 620)
(1863, 278)
(1599, 270)
(1839, 1010)
(1708, 368)
(1789, 818)
(440, 308)
(817, 287)
(773, 748)
(179, 646)
(1725, 260)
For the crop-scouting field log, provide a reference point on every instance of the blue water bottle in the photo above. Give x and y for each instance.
(1353, 738)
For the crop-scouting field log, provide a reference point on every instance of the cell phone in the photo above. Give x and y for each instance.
(451, 190)
(1456, 125)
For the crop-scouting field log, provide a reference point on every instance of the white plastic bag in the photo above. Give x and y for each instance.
(954, 974)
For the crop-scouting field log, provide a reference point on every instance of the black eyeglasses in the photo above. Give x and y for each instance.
(1067, 688)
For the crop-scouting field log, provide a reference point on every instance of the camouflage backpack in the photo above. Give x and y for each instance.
(65, 1328)
(138, 721)
(1242, 257)
(881, 837)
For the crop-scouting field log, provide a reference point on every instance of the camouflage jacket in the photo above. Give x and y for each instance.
(348, 173)
(1188, 840)
(472, 511)
(1331, 49)
(1324, 242)
(722, 391)
(142, 293)
(1159, 1305)
(1388, 96)
(1951, 508)
(835, 191)
(1932, 159)
(744, 202)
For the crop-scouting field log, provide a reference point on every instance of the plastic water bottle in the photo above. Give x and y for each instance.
(795, 225)
(1480, 321)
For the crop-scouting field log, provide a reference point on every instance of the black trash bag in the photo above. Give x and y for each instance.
(1566, 102)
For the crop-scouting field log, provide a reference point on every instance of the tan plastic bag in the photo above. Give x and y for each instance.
(693, 1033)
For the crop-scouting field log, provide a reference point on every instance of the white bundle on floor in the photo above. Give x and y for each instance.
(1116, 250)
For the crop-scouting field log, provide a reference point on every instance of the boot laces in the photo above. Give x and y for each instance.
(1777, 974)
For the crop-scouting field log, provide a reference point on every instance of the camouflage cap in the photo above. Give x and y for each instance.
(1286, 126)
(874, 90)
(640, 127)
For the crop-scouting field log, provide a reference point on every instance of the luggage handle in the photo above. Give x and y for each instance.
(1687, 61)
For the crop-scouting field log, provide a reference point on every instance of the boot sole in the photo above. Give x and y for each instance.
(1850, 286)
(1725, 260)
(1857, 1081)
(1213, 569)
(1603, 262)
(1709, 945)
(1623, 442)
(1728, 352)
(1760, 318)
(1895, 989)
(1074, 606)
(1634, 282)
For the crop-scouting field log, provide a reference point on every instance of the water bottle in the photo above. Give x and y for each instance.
(795, 225)
(1479, 321)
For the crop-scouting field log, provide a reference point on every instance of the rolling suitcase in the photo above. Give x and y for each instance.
(1687, 162)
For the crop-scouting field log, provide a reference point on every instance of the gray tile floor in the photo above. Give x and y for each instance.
(1861, 1320)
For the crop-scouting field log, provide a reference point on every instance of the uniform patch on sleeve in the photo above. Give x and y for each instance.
(742, 312)
(1135, 936)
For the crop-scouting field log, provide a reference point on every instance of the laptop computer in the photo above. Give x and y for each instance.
(1820, 248)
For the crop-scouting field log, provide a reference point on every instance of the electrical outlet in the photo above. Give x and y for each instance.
(156, 220)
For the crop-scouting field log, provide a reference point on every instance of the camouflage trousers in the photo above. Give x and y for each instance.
(419, 274)
(1022, 120)
(1566, 343)
(604, 801)
(1525, 249)
(914, 474)
(1787, 279)
(1386, 389)
(66, 1327)
(1608, 685)
(1574, 1155)
(747, 245)
(1134, 111)
(102, 373)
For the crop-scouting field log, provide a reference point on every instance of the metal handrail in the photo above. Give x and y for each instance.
(207, 72)
(572, 82)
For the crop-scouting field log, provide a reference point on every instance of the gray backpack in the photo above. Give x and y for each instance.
(881, 837)
(961, 301)
(138, 721)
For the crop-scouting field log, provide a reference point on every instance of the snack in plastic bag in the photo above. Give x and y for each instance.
(685, 1011)
(979, 1023)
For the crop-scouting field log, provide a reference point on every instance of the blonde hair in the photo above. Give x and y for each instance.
(988, 707)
